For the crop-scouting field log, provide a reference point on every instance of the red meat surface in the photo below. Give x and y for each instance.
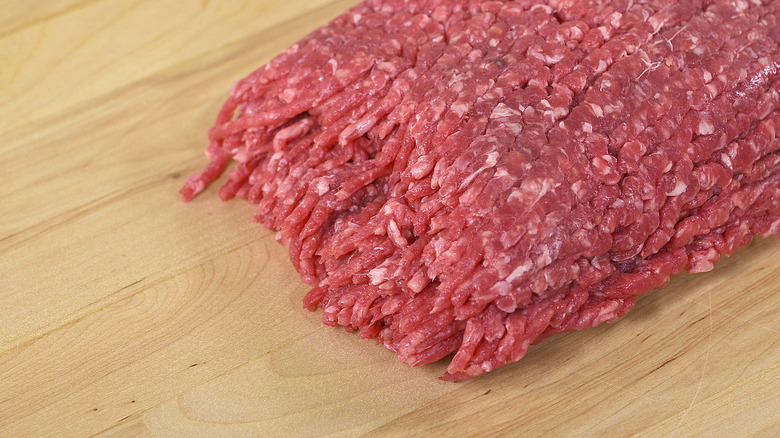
(471, 177)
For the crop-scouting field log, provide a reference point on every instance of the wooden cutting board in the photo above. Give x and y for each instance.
(126, 312)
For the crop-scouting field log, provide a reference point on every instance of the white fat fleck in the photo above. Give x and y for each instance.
(656, 23)
(395, 234)
(503, 287)
(459, 108)
(276, 156)
(422, 167)
(552, 59)
(377, 275)
(597, 110)
(388, 208)
(500, 173)
(502, 260)
(578, 189)
(470, 178)
(531, 190)
(679, 189)
(602, 67)
(726, 160)
(545, 8)
(587, 127)
(774, 227)
(605, 314)
(604, 164)
(516, 128)
(458, 78)
(418, 282)
(703, 262)
(322, 187)
(386, 285)
(287, 95)
(518, 271)
(503, 110)
(493, 42)
(492, 159)
(755, 148)
(241, 155)
(668, 167)
(618, 203)
(707, 76)
(614, 18)
(740, 5)
(705, 127)
(544, 259)
(386, 66)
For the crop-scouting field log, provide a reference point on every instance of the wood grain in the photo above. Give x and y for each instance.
(128, 313)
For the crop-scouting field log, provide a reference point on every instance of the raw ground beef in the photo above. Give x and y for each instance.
(471, 177)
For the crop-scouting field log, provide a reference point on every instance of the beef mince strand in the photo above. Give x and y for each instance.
(473, 177)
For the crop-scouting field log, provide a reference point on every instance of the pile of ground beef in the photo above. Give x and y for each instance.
(471, 177)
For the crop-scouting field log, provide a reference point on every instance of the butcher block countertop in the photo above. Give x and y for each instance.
(125, 312)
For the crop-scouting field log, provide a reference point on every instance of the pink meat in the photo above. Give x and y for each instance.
(471, 177)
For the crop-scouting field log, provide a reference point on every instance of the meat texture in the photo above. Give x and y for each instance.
(471, 177)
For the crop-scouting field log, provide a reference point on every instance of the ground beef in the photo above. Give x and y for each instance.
(471, 177)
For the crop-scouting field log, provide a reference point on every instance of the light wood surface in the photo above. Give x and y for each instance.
(125, 312)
